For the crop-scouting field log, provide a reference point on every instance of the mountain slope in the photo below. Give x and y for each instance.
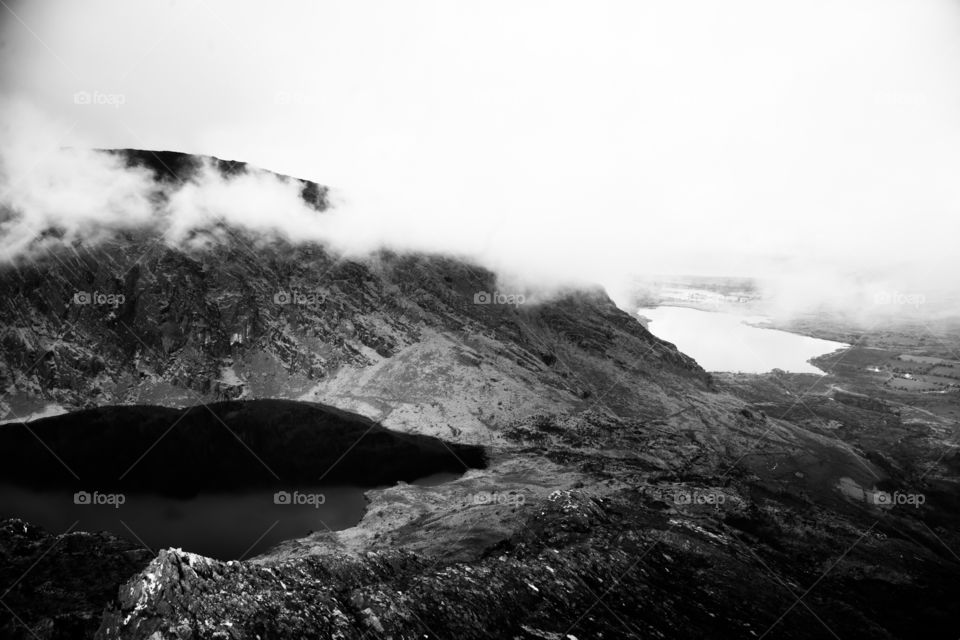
(392, 336)
(623, 494)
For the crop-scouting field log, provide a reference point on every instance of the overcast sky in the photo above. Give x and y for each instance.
(818, 139)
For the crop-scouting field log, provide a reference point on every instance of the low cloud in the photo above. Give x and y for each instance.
(51, 194)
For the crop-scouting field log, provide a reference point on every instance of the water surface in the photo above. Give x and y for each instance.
(726, 342)
(226, 526)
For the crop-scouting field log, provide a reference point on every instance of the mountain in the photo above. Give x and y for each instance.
(138, 321)
(612, 488)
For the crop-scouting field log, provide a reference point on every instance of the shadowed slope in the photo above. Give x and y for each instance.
(225, 446)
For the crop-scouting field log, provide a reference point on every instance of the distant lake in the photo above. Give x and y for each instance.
(725, 342)
(225, 526)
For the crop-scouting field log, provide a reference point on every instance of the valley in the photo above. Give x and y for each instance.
(596, 480)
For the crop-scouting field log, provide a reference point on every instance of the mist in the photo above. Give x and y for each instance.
(812, 145)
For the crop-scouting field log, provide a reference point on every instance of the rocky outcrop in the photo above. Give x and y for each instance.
(54, 587)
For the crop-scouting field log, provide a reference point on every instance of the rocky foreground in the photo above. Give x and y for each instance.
(573, 538)
(581, 566)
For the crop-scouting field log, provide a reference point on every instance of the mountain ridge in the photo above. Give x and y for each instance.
(254, 317)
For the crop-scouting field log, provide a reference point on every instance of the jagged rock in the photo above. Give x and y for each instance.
(60, 583)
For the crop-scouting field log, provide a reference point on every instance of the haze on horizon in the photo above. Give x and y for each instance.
(815, 144)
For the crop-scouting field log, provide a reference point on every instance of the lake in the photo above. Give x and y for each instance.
(726, 342)
(225, 526)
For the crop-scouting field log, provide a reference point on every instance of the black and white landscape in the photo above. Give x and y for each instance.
(540, 321)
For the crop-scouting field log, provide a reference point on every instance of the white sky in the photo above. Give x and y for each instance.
(820, 139)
